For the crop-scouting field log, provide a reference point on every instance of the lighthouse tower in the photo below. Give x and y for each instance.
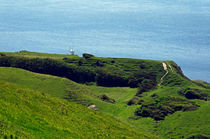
(71, 52)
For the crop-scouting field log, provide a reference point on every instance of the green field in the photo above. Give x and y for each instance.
(178, 108)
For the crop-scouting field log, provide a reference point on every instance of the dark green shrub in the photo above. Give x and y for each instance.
(198, 137)
(65, 58)
(2, 54)
(98, 63)
(106, 98)
(141, 102)
(89, 83)
(146, 86)
(161, 107)
(142, 66)
(80, 62)
(182, 91)
(105, 78)
(133, 101)
(10, 137)
(112, 61)
(87, 56)
(133, 82)
(154, 95)
(145, 81)
(70, 60)
(50, 66)
(191, 93)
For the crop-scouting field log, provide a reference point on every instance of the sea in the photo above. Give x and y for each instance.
(177, 30)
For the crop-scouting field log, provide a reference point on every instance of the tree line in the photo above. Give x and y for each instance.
(102, 77)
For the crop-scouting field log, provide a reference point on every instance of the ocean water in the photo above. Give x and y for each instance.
(177, 30)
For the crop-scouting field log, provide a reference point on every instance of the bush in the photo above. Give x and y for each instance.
(160, 108)
(105, 78)
(146, 86)
(50, 66)
(133, 82)
(87, 56)
(2, 54)
(200, 136)
(65, 58)
(70, 60)
(142, 66)
(80, 62)
(89, 83)
(98, 63)
(145, 81)
(133, 101)
(191, 93)
(112, 61)
(106, 98)
(154, 95)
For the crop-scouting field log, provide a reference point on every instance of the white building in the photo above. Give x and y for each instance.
(71, 52)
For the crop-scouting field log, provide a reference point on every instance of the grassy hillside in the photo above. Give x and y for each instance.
(102, 71)
(56, 86)
(176, 109)
(130, 90)
(25, 113)
(39, 55)
(82, 94)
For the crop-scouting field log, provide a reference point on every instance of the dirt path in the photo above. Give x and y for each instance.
(166, 69)
(170, 67)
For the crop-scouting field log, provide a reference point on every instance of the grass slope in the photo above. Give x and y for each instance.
(180, 124)
(25, 113)
(103, 71)
(61, 87)
(120, 110)
(86, 95)
(56, 86)
(187, 124)
(39, 55)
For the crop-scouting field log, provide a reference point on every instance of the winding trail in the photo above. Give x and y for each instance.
(170, 67)
(166, 69)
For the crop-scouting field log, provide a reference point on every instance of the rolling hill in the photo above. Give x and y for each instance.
(130, 90)
(25, 113)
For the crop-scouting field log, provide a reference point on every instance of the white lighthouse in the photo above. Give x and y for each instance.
(71, 52)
